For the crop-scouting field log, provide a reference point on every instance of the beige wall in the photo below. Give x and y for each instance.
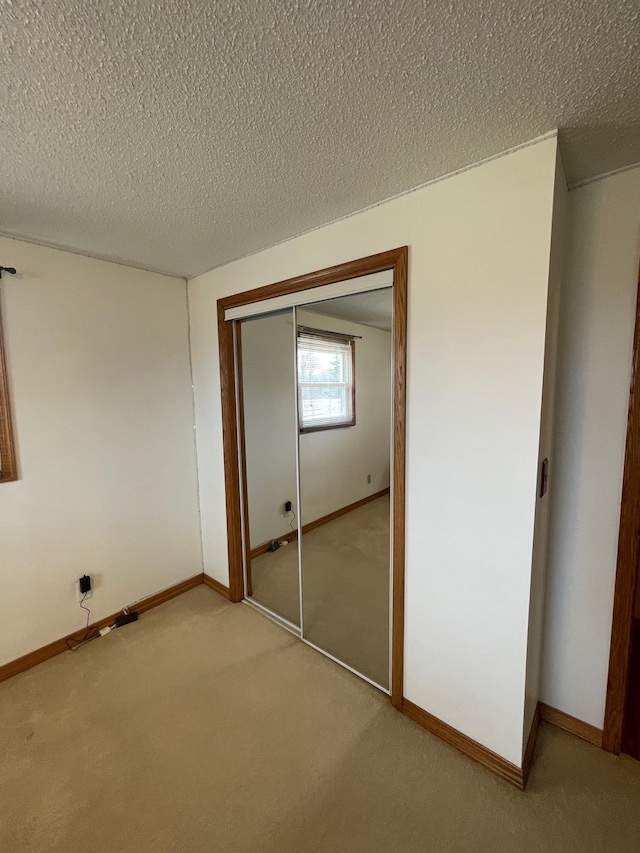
(270, 433)
(100, 382)
(547, 450)
(597, 314)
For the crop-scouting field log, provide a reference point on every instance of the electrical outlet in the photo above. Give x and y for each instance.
(288, 507)
(368, 478)
(82, 585)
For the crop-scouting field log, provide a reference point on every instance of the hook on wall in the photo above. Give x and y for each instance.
(10, 270)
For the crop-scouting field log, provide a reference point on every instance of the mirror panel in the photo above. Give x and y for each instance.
(265, 347)
(344, 350)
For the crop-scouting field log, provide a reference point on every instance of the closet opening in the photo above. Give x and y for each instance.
(313, 378)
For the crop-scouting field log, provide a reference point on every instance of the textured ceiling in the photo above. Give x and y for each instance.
(180, 134)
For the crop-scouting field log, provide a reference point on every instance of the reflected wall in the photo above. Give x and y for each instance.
(266, 349)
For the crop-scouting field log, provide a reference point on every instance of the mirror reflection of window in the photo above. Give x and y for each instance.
(326, 380)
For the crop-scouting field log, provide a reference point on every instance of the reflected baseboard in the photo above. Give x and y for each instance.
(262, 549)
(306, 528)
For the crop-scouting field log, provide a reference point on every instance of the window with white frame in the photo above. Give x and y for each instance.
(326, 380)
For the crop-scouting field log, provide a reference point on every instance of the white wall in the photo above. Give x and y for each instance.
(333, 463)
(594, 369)
(546, 451)
(99, 372)
(479, 248)
(268, 364)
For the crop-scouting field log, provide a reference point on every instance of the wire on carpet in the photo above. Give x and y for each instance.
(90, 633)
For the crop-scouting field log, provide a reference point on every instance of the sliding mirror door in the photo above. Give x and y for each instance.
(265, 347)
(344, 348)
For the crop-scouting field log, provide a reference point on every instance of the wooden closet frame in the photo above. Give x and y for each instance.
(395, 260)
(627, 564)
(8, 462)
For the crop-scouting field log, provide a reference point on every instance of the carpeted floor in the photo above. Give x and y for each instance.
(205, 727)
(345, 568)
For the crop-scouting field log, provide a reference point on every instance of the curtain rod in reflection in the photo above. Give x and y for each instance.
(325, 333)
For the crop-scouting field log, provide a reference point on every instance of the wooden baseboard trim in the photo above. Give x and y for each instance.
(262, 549)
(8, 670)
(585, 731)
(306, 528)
(216, 586)
(165, 595)
(471, 748)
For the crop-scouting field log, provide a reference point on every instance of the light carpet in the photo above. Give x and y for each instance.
(205, 727)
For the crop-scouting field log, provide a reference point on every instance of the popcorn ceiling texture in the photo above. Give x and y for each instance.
(181, 134)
